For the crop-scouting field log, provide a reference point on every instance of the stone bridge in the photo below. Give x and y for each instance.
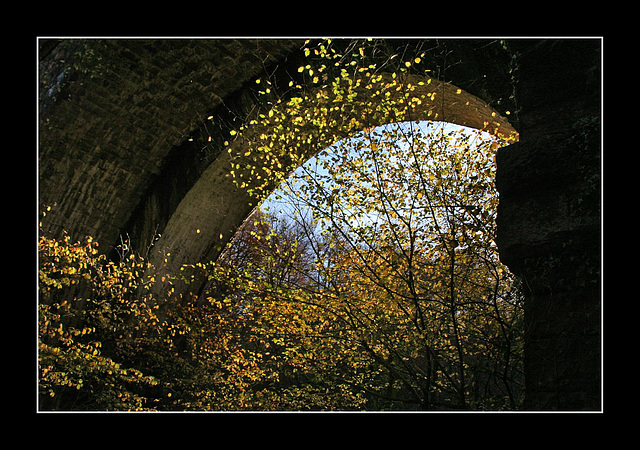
(131, 134)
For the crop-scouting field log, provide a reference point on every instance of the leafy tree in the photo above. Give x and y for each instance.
(385, 291)
(249, 342)
(402, 223)
(76, 370)
(279, 325)
(407, 220)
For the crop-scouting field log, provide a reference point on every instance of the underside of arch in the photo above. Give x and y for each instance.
(215, 207)
(116, 117)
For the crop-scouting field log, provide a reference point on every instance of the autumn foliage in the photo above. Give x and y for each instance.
(380, 289)
(247, 343)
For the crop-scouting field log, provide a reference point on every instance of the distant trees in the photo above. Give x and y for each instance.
(381, 290)
(401, 222)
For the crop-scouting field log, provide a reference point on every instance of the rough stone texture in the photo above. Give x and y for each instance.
(549, 220)
(111, 111)
(124, 149)
(216, 208)
(116, 117)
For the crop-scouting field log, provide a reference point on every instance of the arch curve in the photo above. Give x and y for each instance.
(215, 207)
(116, 116)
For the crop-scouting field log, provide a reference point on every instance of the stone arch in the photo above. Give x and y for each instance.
(116, 116)
(122, 121)
(114, 111)
(214, 208)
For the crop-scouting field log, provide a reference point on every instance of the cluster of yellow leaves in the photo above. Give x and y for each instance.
(243, 345)
(263, 337)
(270, 343)
(436, 200)
(70, 359)
(336, 94)
(346, 96)
(72, 327)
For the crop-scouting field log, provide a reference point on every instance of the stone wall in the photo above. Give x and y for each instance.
(549, 220)
(124, 149)
(112, 110)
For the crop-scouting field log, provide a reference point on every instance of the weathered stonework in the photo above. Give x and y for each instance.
(549, 221)
(112, 110)
(124, 148)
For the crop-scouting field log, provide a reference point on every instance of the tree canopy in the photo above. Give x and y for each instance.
(379, 289)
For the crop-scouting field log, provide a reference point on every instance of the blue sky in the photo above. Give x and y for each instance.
(282, 207)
